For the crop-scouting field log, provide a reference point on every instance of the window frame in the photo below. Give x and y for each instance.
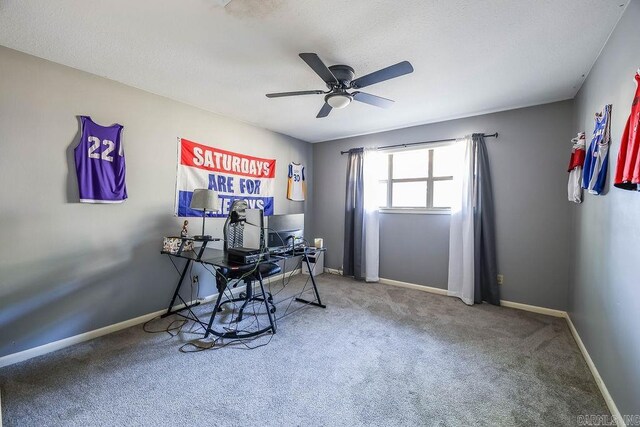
(429, 179)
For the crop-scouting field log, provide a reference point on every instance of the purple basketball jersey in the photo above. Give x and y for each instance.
(100, 163)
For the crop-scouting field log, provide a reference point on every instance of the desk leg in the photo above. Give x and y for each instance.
(177, 292)
(318, 302)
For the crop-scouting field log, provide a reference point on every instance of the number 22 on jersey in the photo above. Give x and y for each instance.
(105, 154)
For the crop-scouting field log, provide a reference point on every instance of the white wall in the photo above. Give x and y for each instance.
(66, 267)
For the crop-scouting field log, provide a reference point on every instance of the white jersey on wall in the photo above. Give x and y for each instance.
(297, 183)
(574, 186)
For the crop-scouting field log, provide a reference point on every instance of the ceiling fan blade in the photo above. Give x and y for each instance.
(303, 92)
(318, 66)
(324, 111)
(393, 71)
(367, 98)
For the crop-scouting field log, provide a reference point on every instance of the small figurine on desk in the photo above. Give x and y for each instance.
(184, 232)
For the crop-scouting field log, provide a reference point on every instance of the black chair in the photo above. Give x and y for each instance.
(248, 274)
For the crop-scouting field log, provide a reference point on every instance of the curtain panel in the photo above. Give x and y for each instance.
(361, 223)
(472, 245)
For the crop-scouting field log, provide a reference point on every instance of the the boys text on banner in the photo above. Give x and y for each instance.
(232, 175)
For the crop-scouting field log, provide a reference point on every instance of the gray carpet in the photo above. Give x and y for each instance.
(378, 355)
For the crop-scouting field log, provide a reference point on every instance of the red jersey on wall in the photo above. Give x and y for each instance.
(628, 167)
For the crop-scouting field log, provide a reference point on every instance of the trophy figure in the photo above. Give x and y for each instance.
(184, 232)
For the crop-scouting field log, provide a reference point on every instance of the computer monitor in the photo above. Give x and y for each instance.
(282, 229)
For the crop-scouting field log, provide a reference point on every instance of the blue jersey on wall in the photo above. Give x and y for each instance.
(596, 160)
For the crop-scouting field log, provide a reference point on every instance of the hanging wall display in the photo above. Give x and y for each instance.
(100, 165)
(596, 161)
(232, 175)
(628, 167)
(296, 182)
(574, 187)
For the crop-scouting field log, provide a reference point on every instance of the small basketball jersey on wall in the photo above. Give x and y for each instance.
(297, 183)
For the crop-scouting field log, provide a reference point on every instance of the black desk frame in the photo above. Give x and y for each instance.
(222, 282)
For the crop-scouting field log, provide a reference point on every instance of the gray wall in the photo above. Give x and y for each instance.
(65, 267)
(604, 293)
(528, 164)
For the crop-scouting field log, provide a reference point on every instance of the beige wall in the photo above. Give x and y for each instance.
(66, 267)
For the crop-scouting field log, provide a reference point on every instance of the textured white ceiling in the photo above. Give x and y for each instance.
(470, 57)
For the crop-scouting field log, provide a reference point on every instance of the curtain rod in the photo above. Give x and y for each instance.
(493, 135)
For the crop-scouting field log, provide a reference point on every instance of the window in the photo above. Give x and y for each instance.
(419, 179)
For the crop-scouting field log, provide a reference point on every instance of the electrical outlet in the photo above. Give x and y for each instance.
(500, 279)
(195, 280)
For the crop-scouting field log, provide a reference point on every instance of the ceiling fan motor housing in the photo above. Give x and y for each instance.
(344, 74)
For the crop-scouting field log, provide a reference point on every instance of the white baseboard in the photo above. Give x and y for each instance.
(430, 289)
(534, 308)
(596, 375)
(21, 356)
(333, 271)
(280, 276)
(441, 291)
(392, 282)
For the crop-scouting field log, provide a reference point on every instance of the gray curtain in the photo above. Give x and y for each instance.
(353, 262)
(486, 271)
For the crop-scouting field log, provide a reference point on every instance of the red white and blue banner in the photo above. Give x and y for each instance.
(232, 175)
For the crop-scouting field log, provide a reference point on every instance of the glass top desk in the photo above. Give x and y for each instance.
(228, 274)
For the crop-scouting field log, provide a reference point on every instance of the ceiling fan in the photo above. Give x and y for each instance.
(339, 79)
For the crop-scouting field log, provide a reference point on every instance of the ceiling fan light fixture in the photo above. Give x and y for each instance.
(339, 100)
